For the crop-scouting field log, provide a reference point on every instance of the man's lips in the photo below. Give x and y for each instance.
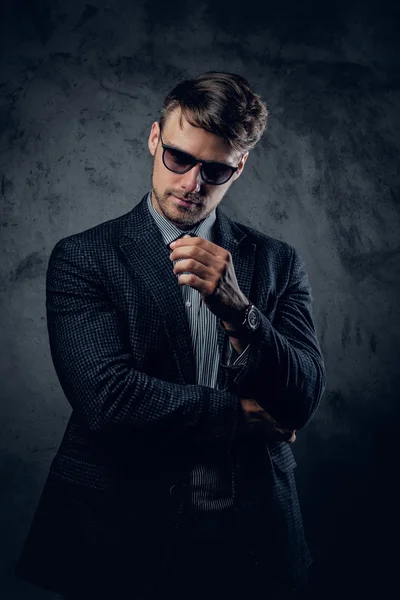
(183, 201)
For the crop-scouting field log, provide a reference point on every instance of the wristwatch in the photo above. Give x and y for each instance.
(250, 322)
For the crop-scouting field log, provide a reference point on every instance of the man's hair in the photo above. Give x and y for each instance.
(221, 103)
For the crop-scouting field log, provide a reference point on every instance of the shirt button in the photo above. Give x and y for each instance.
(188, 303)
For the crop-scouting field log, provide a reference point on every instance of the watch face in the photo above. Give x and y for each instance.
(253, 318)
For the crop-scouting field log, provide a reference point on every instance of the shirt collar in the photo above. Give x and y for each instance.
(170, 232)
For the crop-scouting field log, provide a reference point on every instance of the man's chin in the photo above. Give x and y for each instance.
(181, 217)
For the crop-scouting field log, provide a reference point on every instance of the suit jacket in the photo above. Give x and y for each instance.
(117, 490)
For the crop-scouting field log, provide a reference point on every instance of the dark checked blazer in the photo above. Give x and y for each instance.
(117, 491)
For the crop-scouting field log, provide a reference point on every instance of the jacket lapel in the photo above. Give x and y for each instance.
(147, 255)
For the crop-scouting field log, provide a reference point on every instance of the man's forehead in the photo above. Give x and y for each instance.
(180, 133)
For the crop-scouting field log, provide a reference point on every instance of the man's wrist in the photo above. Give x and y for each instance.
(249, 320)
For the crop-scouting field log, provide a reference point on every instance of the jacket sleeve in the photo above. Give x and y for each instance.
(285, 371)
(91, 355)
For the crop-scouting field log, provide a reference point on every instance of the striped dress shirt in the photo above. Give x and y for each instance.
(210, 481)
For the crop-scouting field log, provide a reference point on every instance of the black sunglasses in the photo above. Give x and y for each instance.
(177, 161)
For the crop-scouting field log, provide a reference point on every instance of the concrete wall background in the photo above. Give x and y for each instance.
(80, 87)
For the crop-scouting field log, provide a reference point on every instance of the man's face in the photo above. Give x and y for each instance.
(167, 186)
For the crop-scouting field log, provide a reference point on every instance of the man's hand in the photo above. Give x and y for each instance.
(209, 269)
(259, 421)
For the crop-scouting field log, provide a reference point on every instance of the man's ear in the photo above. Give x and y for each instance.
(241, 165)
(154, 137)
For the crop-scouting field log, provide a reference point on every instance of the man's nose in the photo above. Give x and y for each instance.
(192, 179)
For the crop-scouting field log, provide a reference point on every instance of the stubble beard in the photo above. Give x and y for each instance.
(182, 217)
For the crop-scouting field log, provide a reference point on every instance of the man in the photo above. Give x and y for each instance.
(189, 366)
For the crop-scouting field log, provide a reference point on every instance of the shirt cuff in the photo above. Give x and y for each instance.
(240, 358)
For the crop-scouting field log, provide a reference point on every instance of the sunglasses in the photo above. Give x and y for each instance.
(212, 172)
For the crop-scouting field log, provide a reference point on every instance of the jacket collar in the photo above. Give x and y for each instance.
(147, 255)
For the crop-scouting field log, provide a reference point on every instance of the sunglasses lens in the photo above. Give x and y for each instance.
(216, 174)
(177, 161)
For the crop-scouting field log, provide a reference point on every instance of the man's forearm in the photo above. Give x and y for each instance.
(284, 370)
(286, 380)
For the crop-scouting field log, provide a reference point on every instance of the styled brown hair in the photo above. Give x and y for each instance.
(221, 103)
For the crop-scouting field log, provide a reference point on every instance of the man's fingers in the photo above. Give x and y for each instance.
(259, 420)
(271, 430)
(288, 435)
(292, 437)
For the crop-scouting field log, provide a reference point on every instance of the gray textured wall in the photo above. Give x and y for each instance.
(81, 86)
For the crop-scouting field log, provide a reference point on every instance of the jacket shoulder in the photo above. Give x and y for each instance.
(98, 236)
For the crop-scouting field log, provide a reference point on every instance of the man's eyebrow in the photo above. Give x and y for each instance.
(206, 161)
